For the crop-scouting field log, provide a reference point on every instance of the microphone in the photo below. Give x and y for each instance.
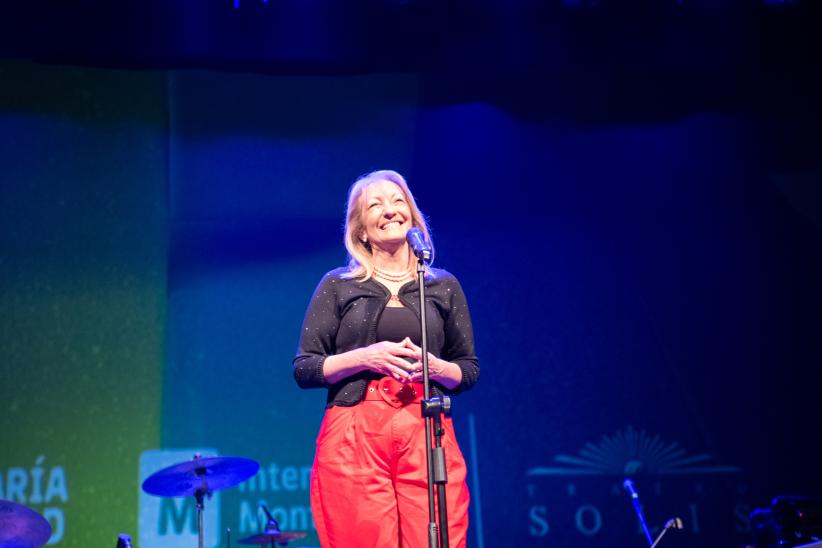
(419, 246)
(272, 524)
(673, 523)
(628, 485)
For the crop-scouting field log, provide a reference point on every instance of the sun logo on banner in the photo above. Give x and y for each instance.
(574, 496)
(630, 452)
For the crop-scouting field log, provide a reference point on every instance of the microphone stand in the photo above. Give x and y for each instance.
(432, 410)
(673, 523)
(628, 484)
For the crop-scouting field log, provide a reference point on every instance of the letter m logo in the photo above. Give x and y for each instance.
(176, 514)
(172, 522)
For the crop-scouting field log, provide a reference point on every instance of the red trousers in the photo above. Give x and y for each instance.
(369, 481)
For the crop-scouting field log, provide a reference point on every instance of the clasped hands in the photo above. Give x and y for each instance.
(400, 360)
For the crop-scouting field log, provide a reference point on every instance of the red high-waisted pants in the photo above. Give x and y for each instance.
(369, 481)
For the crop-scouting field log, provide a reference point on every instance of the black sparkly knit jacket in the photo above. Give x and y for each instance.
(343, 315)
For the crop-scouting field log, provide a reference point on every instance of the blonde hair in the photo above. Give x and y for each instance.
(360, 263)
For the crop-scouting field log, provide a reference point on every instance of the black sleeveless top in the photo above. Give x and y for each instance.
(398, 322)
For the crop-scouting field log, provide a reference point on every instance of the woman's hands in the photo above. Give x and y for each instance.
(389, 358)
(402, 361)
(397, 360)
(446, 373)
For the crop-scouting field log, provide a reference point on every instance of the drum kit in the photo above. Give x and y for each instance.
(199, 477)
(22, 527)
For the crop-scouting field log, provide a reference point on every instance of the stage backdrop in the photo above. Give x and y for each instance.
(643, 278)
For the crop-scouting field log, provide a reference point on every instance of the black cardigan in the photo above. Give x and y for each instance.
(343, 315)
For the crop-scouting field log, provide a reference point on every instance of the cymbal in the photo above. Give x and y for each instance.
(22, 526)
(200, 474)
(280, 537)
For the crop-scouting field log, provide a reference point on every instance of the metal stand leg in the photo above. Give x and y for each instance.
(199, 497)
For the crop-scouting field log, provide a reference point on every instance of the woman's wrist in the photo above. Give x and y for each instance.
(338, 366)
(449, 374)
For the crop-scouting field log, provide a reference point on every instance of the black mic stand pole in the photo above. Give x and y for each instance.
(432, 410)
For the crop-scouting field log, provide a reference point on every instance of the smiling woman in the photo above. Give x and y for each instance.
(387, 215)
(360, 341)
(376, 202)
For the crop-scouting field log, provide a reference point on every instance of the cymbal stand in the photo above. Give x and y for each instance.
(199, 496)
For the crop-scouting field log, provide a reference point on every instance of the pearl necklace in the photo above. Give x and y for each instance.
(388, 276)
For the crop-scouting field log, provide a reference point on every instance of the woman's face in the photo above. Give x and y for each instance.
(386, 215)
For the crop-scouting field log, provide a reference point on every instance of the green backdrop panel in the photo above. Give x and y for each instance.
(82, 290)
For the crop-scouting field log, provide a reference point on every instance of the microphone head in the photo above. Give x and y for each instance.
(415, 237)
(676, 523)
(628, 485)
(419, 245)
